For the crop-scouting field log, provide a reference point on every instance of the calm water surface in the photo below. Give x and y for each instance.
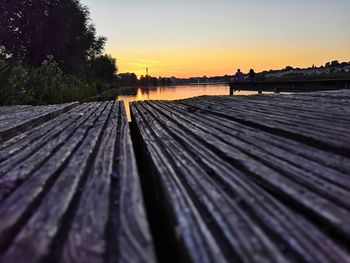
(174, 93)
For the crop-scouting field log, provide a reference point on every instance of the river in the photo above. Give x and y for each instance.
(173, 93)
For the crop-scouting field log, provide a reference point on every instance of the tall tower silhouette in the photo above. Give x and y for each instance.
(147, 70)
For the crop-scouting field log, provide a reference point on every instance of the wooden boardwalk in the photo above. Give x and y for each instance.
(262, 178)
(69, 187)
(253, 178)
(291, 85)
(17, 119)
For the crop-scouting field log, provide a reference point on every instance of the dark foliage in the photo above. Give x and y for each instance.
(127, 79)
(103, 68)
(45, 84)
(32, 29)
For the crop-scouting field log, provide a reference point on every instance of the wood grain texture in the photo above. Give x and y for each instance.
(249, 179)
(266, 177)
(134, 239)
(58, 191)
(20, 166)
(12, 124)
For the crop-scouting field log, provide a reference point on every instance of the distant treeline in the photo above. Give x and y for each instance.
(130, 79)
(50, 53)
(331, 70)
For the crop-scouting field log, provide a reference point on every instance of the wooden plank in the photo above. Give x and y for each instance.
(283, 197)
(269, 156)
(206, 197)
(30, 137)
(20, 111)
(86, 241)
(310, 158)
(132, 230)
(193, 174)
(292, 172)
(252, 179)
(17, 168)
(280, 104)
(183, 213)
(289, 102)
(6, 110)
(44, 224)
(84, 202)
(197, 149)
(27, 112)
(338, 95)
(305, 123)
(21, 122)
(299, 115)
(17, 206)
(329, 133)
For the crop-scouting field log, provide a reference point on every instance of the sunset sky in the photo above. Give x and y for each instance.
(214, 37)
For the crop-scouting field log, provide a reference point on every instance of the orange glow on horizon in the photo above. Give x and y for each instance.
(218, 62)
(197, 64)
(196, 38)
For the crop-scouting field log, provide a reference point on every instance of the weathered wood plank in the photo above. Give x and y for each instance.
(202, 151)
(185, 217)
(292, 173)
(286, 196)
(20, 166)
(295, 115)
(83, 203)
(86, 241)
(28, 138)
(43, 225)
(330, 133)
(134, 240)
(315, 109)
(21, 122)
(252, 179)
(6, 110)
(212, 196)
(310, 158)
(26, 113)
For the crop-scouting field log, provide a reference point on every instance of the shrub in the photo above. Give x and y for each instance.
(43, 85)
(14, 79)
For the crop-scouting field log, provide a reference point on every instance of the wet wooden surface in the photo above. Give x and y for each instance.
(69, 186)
(262, 178)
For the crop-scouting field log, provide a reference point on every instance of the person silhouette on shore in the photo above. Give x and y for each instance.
(239, 77)
(251, 75)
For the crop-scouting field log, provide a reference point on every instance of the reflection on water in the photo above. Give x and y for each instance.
(174, 93)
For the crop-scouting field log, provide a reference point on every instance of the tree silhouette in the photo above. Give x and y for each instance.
(335, 63)
(103, 68)
(30, 30)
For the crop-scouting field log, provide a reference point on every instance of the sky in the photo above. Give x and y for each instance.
(215, 37)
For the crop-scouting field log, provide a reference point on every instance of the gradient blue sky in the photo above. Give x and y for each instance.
(214, 37)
